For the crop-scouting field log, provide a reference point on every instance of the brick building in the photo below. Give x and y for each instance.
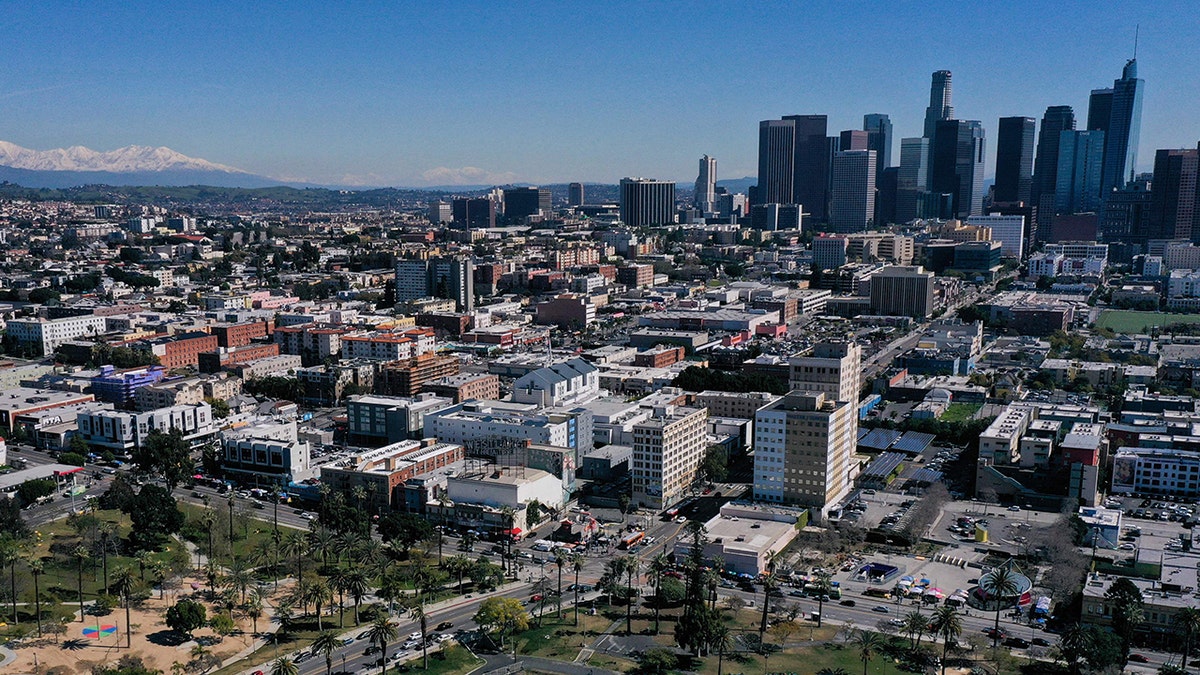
(639, 276)
(238, 334)
(465, 386)
(404, 378)
(183, 350)
(211, 362)
(659, 357)
(384, 471)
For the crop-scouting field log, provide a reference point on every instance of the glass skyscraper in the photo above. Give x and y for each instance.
(1124, 125)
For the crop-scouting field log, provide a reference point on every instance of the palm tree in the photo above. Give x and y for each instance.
(832, 671)
(337, 581)
(212, 572)
(10, 554)
(319, 594)
(1187, 620)
(284, 613)
(822, 587)
(869, 644)
(239, 577)
(324, 541)
(1000, 583)
(295, 545)
(1075, 644)
(380, 633)
(915, 625)
(159, 569)
(145, 560)
(81, 556)
(560, 561)
(36, 568)
(254, 609)
(416, 610)
(458, 565)
(631, 565)
(948, 625)
(721, 640)
(509, 514)
(284, 666)
(123, 585)
(208, 519)
(658, 567)
(356, 586)
(106, 533)
(577, 561)
(325, 644)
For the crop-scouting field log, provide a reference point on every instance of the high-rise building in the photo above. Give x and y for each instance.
(1014, 159)
(803, 445)
(471, 213)
(646, 202)
(852, 206)
(886, 189)
(833, 368)
(1099, 109)
(913, 179)
(1080, 161)
(451, 277)
(776, 162)
(668, 449)
(1173, 195)
(1009, 230)
(1126, 212)
(879, 129)
(810, 176)
(940, 105)
(772, 217)
(829, 253)
(575, 194)
(706, 185)
(1124, 127)
(902, 291)
(1057, 119)
(523, 202)
(440, 212)
(853, 139)
(957, 167)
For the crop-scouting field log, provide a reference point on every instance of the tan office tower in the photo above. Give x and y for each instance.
(667, 451)
(834, 369)
(802, 451)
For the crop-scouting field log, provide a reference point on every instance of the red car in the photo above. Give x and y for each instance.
(536, 598)
(1138, 658)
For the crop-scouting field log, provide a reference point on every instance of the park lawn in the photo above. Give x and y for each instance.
(960, 412)
(1127, 321)
(617, 663)
(803, 660)
(450, 660)
(562, 640)
(248, 533)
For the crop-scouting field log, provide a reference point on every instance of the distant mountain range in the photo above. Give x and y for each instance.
(131, 165)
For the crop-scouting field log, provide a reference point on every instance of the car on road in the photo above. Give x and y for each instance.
(881, 609)
(416, 635)
(1138, 658)
(796, 594)
(1127, 546)
(847, 603)
(681, 519)
(1014, 508)
(363, 635)
(372, 649)
(347, 642)
(444, 625)
(1016, 642)
(1040, 642)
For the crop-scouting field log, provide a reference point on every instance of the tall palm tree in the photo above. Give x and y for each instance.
(81, 556)
(10, 554)
(208, 519)
(721, 641)
(1000, 583)
(823, 586)
(145, 560)
(356, 586)
(296, 546)
(381, 632)
(631, 565)
(657, 570)
(832, 671)
(337, 581)
(159, 570)
(947, 624)
(416, 610)
(239, 577)
(106, 534)
(36, 568)
(324, 541)
(124, 584)
(458, 565)
(284, 666)
(577, 561)
(254, 609)
(325, 644)
(284, 614)
(869, 644)
(1075, 644)
(915, 625)
(1187, 620)
(560, 561)
(319, 594)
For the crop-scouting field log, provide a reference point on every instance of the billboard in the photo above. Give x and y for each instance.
(1124, 469)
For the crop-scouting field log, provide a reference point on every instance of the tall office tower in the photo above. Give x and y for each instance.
(706, 185)
(852, 206)
(1080, 161)
(879, 129)
(1009, 230)
(1014, 159)
(440, 212)
(646, 202)
(771, 217)
(522, 202)
(1124, 126)
(668, 449)
(1099, 109)
(1126, 212)
(940, 105)
(810, 175)
(902, 291)
(957, 167)
(1058, 118)
(829, 253)
(776, 162)
(451, 277)
(473, 213)
(886, 188)
(833, 368)
(913, 179)
(853, 139)
(802, 451)
(1173, 195)
(575, 194)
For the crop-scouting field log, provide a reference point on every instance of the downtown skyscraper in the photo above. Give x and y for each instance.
(879, 138)
(706, 185)
(793, 163)
(1124, 127)
(1014, 159)
(957, 167)
(1057, 119)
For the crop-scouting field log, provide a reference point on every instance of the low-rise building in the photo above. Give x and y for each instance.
(572, 382)
(266, 454)
(384, 471)
(465, 386)
(123, 431)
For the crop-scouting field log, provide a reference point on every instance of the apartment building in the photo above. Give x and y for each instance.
(668, 449)
(266, 454)
(42, 336)
(123, 431)
(388, 346)
(802, 451)
(833, 368)
(465, 386)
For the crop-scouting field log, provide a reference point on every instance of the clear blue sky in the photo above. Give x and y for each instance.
(415, 93)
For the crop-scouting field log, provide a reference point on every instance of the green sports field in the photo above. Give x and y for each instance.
(1123, 321)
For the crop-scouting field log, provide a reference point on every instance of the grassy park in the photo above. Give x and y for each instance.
(960, 412)
(1126, 321)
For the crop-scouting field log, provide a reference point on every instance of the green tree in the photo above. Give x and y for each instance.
(722, 639)
(1127, 612)
(284, 666)
(1187, 622)
(36, 568)
(1074, 646)
(416, 611)
(222, 623)
(999, 584)
(658, 661)
(947, 624)
(869, 645)
(325, 644)
(220, 409)
(577, 561)
(502, 616)
(82, 555)
(167, 455)
(72, 458)
(381, 632)
(12, 522)
(124, 583)
(714, 468)
(186, 616)
(405, 529)
(32, 490)
(155, 515)
(915, 625)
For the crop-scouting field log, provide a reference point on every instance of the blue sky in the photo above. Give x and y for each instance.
(394, 93)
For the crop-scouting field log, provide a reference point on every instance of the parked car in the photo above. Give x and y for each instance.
(1138, 658)
(882, 609)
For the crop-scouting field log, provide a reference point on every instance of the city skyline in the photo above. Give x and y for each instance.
(386, 96)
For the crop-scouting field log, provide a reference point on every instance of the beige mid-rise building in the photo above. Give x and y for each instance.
(834, 369)
(667, 451)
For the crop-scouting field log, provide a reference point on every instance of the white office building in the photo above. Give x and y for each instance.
(1008, 230)
(123, 431)
(268, 453)
(572, 382)
(48, 334)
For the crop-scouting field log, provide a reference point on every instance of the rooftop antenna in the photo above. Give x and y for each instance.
(1136, 29)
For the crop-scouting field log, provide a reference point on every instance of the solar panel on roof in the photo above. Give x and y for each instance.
(884, 465)
(914, 442)
(879, 439)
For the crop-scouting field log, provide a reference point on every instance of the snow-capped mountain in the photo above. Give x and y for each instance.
(129, 159)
